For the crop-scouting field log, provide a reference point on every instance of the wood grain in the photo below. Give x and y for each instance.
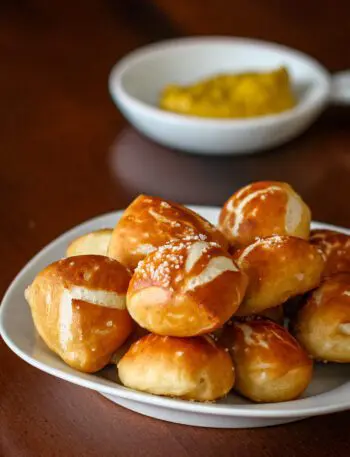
(67, 155)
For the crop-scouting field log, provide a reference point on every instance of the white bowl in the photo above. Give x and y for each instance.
(328, 392)
(137, 80)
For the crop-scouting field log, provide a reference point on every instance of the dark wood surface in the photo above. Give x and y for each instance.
(67, 155)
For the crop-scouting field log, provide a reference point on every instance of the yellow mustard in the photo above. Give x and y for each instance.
(232, 96)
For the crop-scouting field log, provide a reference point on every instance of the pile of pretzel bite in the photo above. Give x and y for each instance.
(189, 310)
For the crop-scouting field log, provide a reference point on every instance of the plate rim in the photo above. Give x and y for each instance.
(268, 410)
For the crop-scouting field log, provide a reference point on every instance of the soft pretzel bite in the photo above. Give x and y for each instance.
(323, 323)
(95, 243)
(185, 288)
(263, 209)
(270, 365)
(336, 249)
(78, 307)
(278, 267)
(150, 222)
(189, 368)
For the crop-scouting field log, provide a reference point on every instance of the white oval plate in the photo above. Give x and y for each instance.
(328, 392)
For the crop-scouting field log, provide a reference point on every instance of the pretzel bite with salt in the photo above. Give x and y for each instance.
(185, 288)
(95, 243)
(263, 209)
(270, 365)
(323, 323)
(189, 368)
(78, 307)
(278, 267)
(150, 222)
(336, 249)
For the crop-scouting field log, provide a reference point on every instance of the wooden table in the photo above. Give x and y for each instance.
(67, 155)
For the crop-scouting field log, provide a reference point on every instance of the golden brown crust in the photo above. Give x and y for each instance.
(323, 323)
(278, 267)
(336, 249)
(83, 332)
(185, 288)
(92, 271)
(150, 222)
(270, 364)
(95, 243)
(189, 368)
(263, 209)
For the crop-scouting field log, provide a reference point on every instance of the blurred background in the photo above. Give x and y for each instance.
(67, 154)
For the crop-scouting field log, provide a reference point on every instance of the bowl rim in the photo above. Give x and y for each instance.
(123, 98)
